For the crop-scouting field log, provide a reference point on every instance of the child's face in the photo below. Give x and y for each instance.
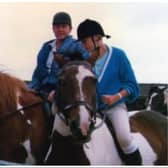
(90, 43)
(61, 31)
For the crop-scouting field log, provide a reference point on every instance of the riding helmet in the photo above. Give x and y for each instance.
(62, 18)
(89, 28)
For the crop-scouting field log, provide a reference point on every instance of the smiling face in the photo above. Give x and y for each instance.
(61, 31)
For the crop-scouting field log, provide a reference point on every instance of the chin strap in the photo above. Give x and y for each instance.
(95, 47)
(94, 53)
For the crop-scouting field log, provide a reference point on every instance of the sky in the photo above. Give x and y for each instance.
(139, 28)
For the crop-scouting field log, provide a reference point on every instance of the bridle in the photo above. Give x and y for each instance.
(62, 116)
(10, 114)
(62, 113)
(64, 110)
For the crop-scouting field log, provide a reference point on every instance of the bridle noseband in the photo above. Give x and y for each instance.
(76, 104)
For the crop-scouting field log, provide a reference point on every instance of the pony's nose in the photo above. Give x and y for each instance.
(74, 124)
(84, 128)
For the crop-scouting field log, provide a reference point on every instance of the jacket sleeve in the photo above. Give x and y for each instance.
(41, 69)
(77, 47)
(80, 49)
(128, 79)
(72, 47)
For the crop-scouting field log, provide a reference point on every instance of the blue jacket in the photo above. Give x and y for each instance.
(116, 74)
(46, 71)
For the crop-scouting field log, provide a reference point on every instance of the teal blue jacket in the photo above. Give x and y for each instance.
(117, 74)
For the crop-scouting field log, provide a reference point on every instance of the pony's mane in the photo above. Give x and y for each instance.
(10, 88)
(76, 63)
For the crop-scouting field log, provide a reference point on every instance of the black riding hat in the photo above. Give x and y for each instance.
(62, 18)
(89, 28)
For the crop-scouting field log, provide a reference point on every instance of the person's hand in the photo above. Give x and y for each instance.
(94, 55)
(51, 95)
(110, 99)
(60, 59)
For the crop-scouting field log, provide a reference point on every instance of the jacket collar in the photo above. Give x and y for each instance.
(109, 50)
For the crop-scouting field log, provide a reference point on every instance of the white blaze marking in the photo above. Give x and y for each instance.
(19, 106)
(150, 100)
(30, 159)
(166, 98)
(82, 73)
(84, 116)
(29, 122)
(22, 113)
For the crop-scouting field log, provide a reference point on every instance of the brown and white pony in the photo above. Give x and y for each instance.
(23, 129)
(80, 137)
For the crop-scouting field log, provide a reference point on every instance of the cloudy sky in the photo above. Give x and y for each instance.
(141, 29)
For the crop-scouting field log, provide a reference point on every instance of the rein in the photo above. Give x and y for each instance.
(78, 103)
(9, 114)
(74, 105)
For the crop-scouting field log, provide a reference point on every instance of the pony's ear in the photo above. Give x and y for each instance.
(60, 59)
(76, 56)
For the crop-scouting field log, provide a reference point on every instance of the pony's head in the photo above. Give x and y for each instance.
(158, 99)
(76, 100)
